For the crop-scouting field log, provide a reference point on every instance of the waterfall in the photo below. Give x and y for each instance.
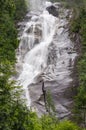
(36, 4)
(35, 56)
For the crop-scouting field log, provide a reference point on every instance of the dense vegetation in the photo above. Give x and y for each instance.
(79, 27)
(14, 114)
(11, 108)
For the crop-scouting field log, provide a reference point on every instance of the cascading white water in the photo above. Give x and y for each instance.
(39, 33)
(36, 5)
(35, 60)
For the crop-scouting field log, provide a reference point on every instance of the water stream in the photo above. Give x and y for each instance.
(45, 51)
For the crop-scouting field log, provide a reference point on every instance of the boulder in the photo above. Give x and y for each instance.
(52, 10)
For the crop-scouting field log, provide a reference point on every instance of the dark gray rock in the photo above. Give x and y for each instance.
(52, 10)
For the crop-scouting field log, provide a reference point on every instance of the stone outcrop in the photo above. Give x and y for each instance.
(52, 10)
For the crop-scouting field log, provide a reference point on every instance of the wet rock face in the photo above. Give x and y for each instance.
(52, 10)
(60, 94)
(59, 61)
(52, 56)
(36, 31)
(57, 56)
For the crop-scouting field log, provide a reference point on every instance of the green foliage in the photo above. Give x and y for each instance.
(79, 27)
(20, 9)
(13, 112)
(8, 38)
(10, 12)
(7, 6)
(67, 125)
(49, 103)
(48, 123)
